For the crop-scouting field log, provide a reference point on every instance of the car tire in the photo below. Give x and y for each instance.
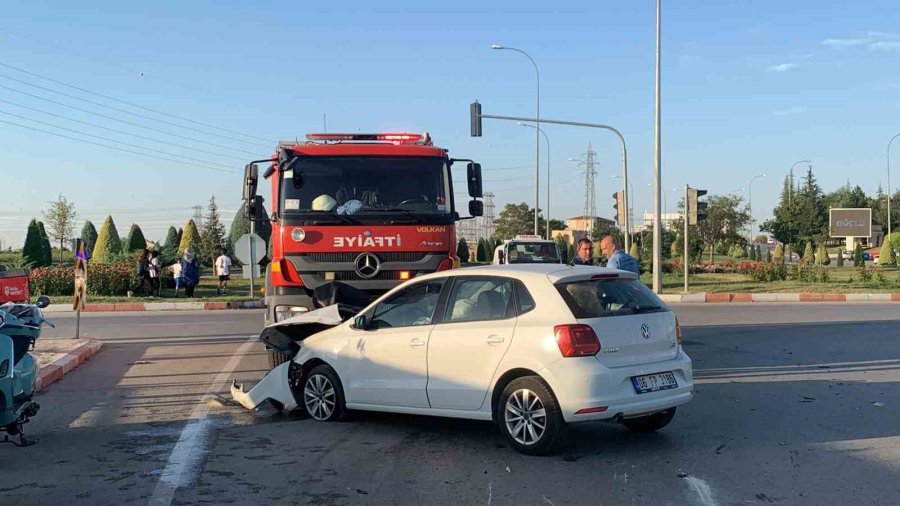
(277, 358)
(650, 423)
(529, 416)
(323, 394)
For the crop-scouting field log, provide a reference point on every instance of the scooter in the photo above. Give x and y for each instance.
(20, 326)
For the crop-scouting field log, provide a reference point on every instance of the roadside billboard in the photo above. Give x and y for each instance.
(844, 222)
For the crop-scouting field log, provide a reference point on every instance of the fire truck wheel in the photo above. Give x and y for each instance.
(277, 358)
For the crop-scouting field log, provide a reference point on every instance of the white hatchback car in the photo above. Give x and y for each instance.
(530, 347)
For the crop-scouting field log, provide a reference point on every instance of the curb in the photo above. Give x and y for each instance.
(158, 306)
(54, 371)
(722, 298)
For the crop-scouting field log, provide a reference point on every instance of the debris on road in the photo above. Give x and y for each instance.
(878, 404)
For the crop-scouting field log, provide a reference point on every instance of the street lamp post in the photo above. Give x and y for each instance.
(750, 199)
(537, 134)
(657, 165)
(791, 172)
(889, 183)
(547, 156)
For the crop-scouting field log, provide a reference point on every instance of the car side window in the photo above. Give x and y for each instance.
(480, 299)
(412, 306)
(523, 298)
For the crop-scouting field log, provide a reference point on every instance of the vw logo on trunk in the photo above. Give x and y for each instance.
(367, 265)
(645, 331)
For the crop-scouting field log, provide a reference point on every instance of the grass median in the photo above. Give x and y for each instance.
(841, 280)
(238, 289)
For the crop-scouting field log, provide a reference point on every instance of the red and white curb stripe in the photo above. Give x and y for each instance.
(703, 297)
(158, 306)
(54, 371)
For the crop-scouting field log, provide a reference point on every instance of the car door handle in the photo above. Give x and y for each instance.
(495, 339)
(417, 343)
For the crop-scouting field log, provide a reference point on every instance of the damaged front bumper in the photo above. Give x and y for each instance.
(274, 387)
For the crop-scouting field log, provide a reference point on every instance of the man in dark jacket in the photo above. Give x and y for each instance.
(584, 252)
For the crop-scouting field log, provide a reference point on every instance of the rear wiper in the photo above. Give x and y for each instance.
(645, 309)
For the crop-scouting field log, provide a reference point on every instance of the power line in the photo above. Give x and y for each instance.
(114, 147)
(125, 111)
(126, 122)
(123, 132)
(129, 103)
(113, 140)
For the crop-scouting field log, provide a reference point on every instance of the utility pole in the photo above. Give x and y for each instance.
(686, 239)
(198, 215)
(657, 168)
(590, 204)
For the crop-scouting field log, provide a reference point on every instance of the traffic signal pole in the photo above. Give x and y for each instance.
(686, 240)
(476, 117)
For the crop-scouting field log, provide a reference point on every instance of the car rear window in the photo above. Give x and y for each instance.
(600, 298)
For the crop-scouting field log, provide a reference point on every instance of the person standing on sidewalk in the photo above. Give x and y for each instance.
(142, 273)
(223, 270)
(154, 271)
(190, 271)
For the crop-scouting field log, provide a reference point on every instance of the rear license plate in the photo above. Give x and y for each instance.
(654, 382)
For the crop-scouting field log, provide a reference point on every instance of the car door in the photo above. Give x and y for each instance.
(388, 359)
(466, 346)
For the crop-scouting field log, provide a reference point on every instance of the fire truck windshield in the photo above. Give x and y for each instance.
(362, 186)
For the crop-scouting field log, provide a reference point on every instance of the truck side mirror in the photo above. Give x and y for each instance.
(251, 176)
(473, 175)
(476, 208)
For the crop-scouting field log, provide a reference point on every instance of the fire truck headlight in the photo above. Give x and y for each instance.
(298, 234)
(285, 312)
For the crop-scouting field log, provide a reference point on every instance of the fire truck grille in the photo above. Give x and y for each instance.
(387, 256)
(352, 276)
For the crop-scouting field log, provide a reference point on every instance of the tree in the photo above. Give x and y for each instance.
(212, 236)
(758, 253)
(753, 256)
(554, 224)
(515, 219)
(809, 255)
(778, 257)
(634, 250)
(462, 251)
(479, 251)
(563, 245)
(180, 236)
(89, 236)
(858, 256)
(726, 215)
(135, 240)
(811, 214)
(171, 239)
(190, 237)
(46, 248)
(61, 221)
(33, 251)
(769, 255)
(822, 257)
(677, 248)
(840, 258)
(886, 255)
(108, 243)
(488, 251)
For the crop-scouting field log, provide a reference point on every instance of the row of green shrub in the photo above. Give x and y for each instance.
(103, 279)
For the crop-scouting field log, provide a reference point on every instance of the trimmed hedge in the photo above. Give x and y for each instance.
(103, 279)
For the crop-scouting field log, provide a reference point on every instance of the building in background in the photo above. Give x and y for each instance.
(668, 220)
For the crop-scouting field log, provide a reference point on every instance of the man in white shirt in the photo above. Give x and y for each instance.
(223, 270)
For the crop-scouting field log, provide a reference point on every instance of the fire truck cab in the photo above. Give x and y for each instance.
(369, 210)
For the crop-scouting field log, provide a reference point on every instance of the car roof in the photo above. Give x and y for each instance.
(526, 272)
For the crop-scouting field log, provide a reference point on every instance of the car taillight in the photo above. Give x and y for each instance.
(445, 265)
(576, 340)
(677, 332)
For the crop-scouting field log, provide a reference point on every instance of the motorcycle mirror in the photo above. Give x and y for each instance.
(43, 301)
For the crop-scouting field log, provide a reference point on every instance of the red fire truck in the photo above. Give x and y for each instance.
(368, 210)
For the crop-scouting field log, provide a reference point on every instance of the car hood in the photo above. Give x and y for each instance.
(286, 336)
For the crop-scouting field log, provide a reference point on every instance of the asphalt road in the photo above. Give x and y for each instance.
(795, 404)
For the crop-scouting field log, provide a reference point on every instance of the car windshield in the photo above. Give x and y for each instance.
(366, 185)
(532, 253)
(598, 298)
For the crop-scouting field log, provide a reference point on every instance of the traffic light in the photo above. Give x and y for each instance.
(619, 206)
(475, 118)
(696, 209)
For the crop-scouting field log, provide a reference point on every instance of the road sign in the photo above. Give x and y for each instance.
(850, 222)
(242, 248)
(80, 278)
(248, 274)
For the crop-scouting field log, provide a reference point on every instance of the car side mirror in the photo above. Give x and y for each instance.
(43, 301)
(359, 323)
(476, 208)
(473, 175)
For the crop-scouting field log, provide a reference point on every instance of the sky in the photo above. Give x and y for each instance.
(748, 88)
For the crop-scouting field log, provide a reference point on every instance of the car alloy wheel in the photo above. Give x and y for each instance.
(525, 417)
(319, 397)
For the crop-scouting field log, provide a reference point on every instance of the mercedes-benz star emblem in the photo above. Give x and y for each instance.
(367, 265)
(645, 331)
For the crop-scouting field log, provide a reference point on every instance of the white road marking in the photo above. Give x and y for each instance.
(702, 490)
(186, 457)
(183, 324)
(180, 339)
